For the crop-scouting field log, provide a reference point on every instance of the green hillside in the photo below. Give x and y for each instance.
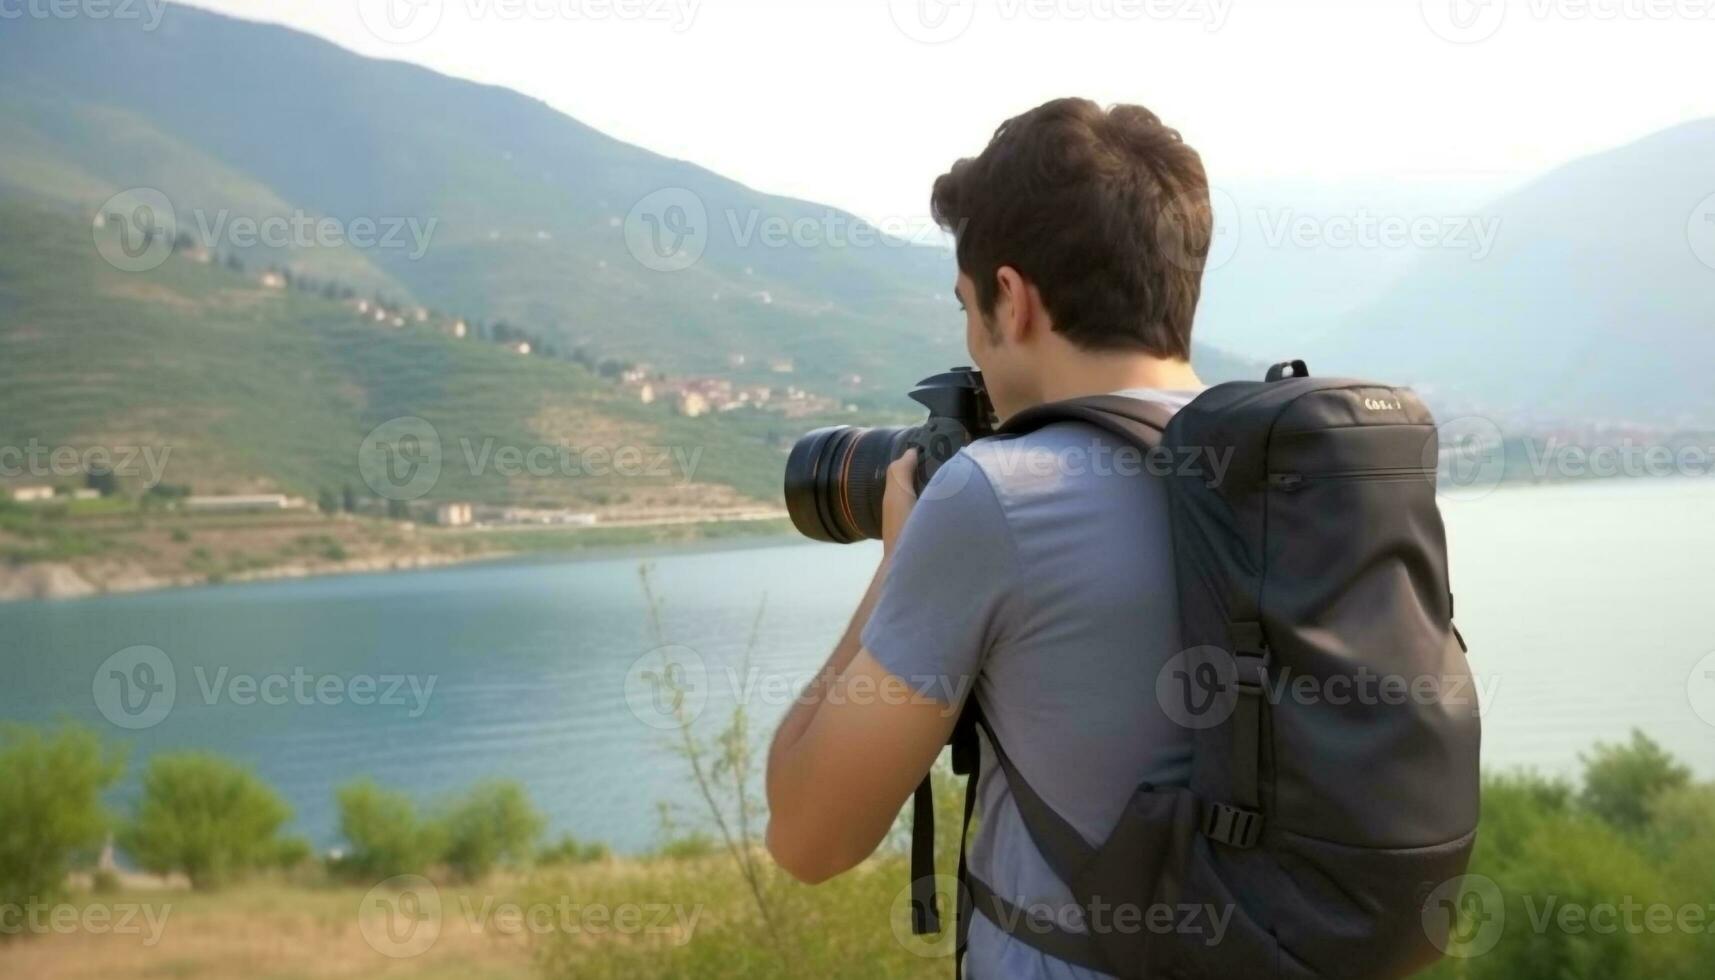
(254, 388)
(530, 209)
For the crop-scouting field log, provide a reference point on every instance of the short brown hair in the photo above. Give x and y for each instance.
(1106, 211)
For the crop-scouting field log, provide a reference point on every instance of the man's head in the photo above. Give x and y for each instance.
(1081, 232)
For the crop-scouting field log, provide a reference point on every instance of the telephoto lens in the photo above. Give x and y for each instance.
(836, 476)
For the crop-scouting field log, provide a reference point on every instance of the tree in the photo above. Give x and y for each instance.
(348, 499)
(206, 817)
(327, 501)
(1620, 781)
(50, 806)
(493, 823)
(386, 835)
(102, 480)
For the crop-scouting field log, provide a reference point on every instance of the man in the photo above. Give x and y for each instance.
(1035, 574)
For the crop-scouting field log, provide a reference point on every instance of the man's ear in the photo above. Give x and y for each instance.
(1016, 306)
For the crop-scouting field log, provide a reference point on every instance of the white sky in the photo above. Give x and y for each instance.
(834, 101)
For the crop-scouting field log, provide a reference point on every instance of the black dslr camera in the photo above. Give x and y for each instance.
(835, 476)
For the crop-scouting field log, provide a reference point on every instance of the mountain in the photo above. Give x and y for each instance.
(1597, 302)
(533, 218)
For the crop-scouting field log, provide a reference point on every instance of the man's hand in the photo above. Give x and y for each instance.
(898, 499)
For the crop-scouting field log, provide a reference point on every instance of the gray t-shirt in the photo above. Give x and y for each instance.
(1040, 566)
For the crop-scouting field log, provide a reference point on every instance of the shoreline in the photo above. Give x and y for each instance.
(67, 580)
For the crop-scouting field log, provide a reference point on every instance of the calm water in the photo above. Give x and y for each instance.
(1587, 608)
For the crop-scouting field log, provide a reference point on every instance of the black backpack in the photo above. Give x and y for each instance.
(1320, 817)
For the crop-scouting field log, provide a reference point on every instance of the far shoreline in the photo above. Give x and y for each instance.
(61, 581)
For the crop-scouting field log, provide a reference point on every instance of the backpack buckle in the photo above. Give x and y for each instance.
(1231, 825)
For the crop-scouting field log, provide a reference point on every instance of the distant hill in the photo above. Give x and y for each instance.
(531, 209)
(1598, 301)
(244, 388)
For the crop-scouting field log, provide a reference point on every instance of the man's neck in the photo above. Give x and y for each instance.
(1100, 374)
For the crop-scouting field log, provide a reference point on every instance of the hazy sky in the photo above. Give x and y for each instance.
(861, 103)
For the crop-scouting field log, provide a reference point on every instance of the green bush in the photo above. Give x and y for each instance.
(386, 835)
(206, 817)
(569, 850)
(1621, 780)
(494, 823)
(51, 815)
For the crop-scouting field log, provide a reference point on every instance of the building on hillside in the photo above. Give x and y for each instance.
(646, 393)
(454, 515)
(692, 404)
(237, 502)
(519, 347)
(273, 280)
(32, 494)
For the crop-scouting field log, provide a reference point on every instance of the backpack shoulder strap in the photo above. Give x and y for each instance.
(1134, 420)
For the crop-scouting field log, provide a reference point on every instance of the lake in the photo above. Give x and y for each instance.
(1584, 606)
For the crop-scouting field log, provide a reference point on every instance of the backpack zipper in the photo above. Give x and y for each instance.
(1289, 482)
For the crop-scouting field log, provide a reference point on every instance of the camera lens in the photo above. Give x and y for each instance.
(835, 478)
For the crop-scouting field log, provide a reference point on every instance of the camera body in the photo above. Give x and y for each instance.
(836, 476)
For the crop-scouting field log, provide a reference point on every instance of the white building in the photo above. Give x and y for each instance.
(454, 515)
(237, 502)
